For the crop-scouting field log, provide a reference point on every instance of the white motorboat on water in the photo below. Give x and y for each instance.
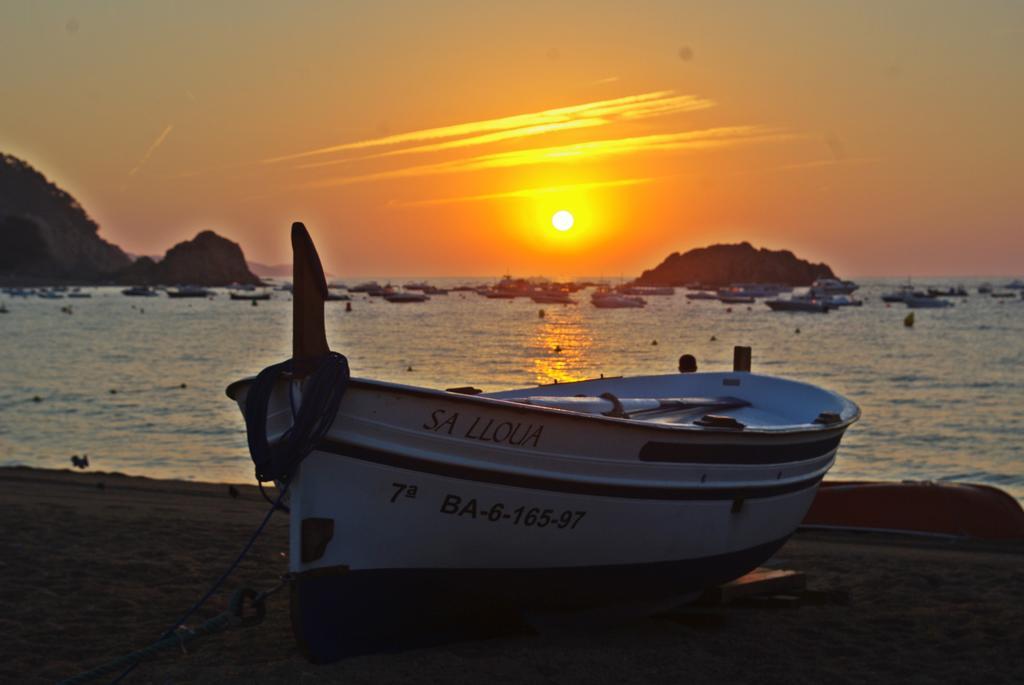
(831, 300)
(405, 297)
(419, 509)
(902, 293)
(550, 296)
(190, 291)
(833, 286)
(609, 299)
(1015, 284)
(508, 288)
(702, 295)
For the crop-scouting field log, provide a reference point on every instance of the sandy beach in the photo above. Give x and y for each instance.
(96, 565)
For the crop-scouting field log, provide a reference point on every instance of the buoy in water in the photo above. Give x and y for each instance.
(713, 338)
(797, 331)
(348, 306)
(908, 320)
(540, 314)
(558, 348)
(255, 303)
(728, 310)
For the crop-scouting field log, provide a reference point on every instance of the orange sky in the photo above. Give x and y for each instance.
(439, 138)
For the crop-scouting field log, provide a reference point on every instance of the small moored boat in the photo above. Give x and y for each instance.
(190, 291)
(547, 296)
(646, 290)
(834, 286)
(607, 299)
(419, 507)
(139, 291)
(798, 304)
(402, 297)
(916, 301)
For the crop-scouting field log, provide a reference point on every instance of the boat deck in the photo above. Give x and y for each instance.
(753, 401)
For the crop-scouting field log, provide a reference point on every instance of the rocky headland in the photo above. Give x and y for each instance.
(47, 238)
(45, 234)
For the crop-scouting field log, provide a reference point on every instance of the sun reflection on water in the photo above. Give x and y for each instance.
(559, 347)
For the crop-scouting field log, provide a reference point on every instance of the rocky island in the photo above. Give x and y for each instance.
(720, 265)
(47, 238)
(207, 260)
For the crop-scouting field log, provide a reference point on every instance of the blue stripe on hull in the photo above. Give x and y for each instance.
(565, 485)
(338, 613)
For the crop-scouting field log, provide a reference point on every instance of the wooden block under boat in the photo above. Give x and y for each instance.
(759, 582)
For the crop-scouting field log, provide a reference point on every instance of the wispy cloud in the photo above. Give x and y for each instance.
(600, 115)
(526, 192)
(482, 139)
(151, 149)
(596, 149)
(631, 106)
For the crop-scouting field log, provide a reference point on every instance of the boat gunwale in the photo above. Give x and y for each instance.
(534, 410)
(573, 484)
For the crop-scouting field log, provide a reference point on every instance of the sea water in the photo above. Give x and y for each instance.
(138, 383)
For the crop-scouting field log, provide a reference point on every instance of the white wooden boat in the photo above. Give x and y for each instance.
(420, 509)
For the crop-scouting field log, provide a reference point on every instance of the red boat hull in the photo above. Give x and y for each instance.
(952, 509)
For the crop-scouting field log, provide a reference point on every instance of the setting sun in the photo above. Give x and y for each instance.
(562, 220)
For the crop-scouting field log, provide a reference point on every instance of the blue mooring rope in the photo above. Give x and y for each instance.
(321, 399)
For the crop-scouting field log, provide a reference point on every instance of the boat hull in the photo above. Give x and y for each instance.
(340, 613)
(416, 557)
